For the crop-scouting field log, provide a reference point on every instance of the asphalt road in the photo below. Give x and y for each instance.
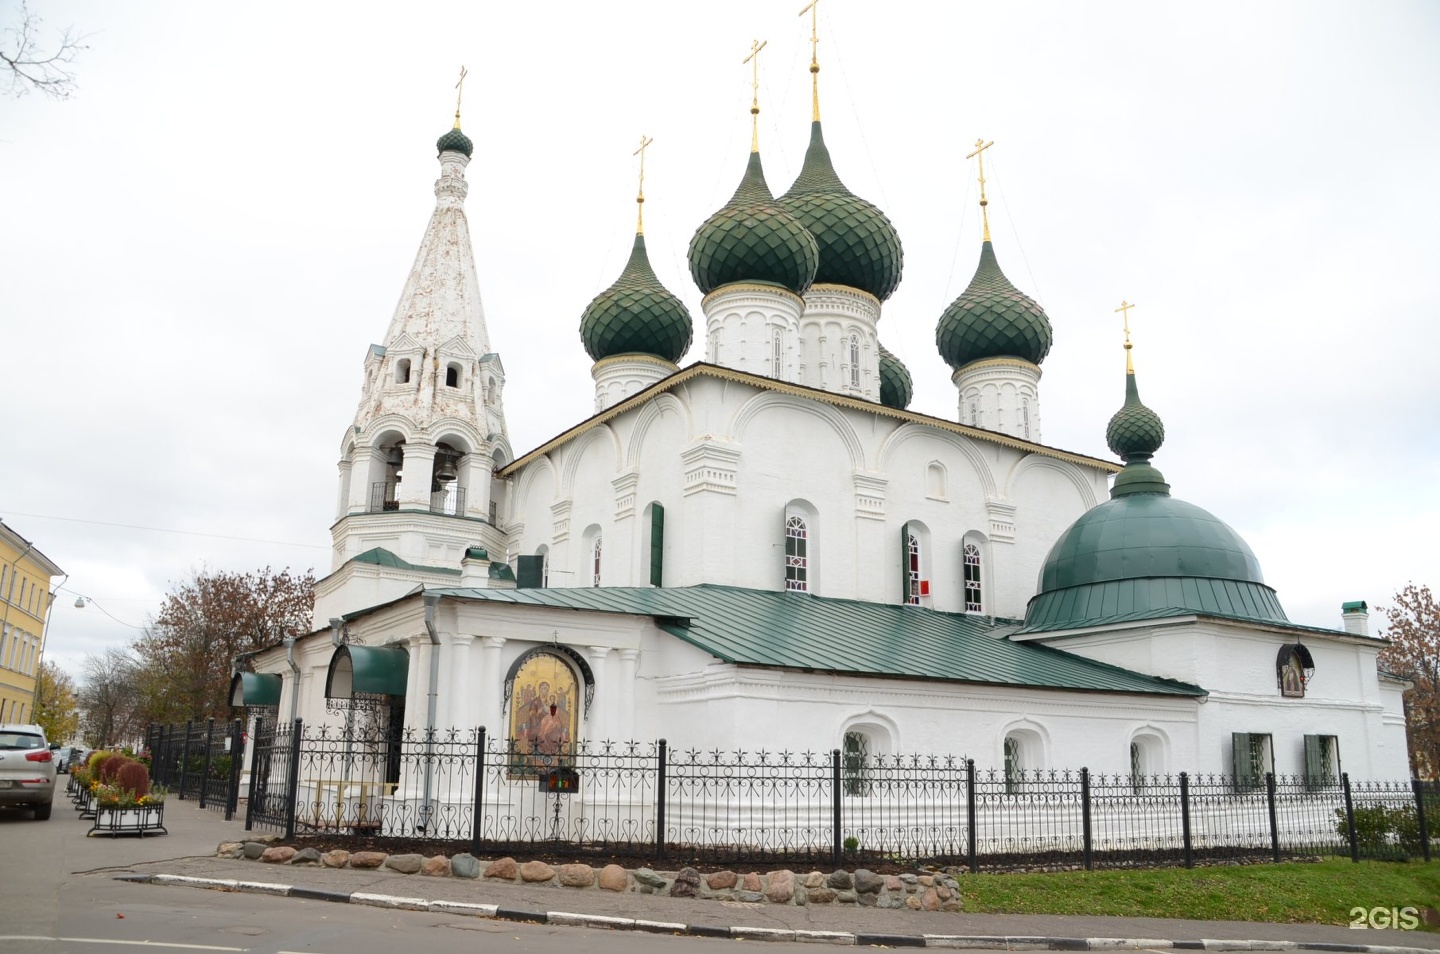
(58, 893)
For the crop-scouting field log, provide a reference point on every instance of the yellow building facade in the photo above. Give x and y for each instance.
(25, 576)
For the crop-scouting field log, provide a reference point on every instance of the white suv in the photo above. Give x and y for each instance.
(27, 769)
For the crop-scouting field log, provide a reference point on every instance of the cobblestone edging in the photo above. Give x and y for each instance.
(743, 932)
(918, 892)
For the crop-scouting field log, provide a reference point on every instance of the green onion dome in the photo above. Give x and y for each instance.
(895, 386)
(454, 141)
(752, 239)
(1135, 431)
(992, 319)
(636, 315)
(859, 247)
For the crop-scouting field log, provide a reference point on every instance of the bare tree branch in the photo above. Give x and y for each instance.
(28, 62)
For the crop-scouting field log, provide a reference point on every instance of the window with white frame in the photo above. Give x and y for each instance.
(974, 413)
(402, 371)
(595, 563)
(1252, 757)
(797, 554)
(855, 361)
(777, 353)
(912, 569)
(1025, 416)
(1322, 761)
(974, 591)
(1014, 765)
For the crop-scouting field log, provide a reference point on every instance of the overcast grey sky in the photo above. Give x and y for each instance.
(198, 248)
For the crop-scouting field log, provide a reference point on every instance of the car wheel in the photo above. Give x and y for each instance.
(42, 812)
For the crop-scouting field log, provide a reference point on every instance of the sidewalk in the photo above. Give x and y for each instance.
(188, 852)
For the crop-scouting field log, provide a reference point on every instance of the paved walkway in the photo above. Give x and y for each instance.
(188, 853)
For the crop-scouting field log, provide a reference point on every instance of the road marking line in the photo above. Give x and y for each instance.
(106, 940)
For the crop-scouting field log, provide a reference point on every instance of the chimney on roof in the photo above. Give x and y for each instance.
(1355, 618)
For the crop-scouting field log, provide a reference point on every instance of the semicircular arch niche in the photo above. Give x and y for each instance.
(547, 690)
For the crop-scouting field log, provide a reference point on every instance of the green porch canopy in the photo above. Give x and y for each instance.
(255, 689)
(371, 670)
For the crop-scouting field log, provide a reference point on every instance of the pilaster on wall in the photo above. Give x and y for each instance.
(602, 706)
(1000, 394)
(416, 472)
(742, 322)
(833, 314)
(625, 486)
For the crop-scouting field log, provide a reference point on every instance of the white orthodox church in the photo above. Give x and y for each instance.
(766, 549)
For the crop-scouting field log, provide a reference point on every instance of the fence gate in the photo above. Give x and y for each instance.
(270, 802)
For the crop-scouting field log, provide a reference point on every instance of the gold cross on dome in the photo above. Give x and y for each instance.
(459, 91)
(980, 147)
(813, 10)
(640, 196)
(1124, 311)
(754, 59)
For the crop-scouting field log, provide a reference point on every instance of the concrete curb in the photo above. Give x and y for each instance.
(751, 933)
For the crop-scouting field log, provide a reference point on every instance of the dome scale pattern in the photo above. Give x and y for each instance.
(1135, 432)
(992, 319)
(454, 141)
(636, 315)
(896, 388)
(751, 239)
(859, 247)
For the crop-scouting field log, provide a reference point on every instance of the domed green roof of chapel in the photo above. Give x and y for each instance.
(752, 239)
(858, 245)
(896, 388)
(636, 315)
(992, 319)
(1143, 553)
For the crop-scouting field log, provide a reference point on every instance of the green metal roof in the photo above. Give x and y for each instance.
(800, 631)
(374, 670)
(379, 556)
(992, 319)
(454, 141)
(255, 689)
(1171, 612)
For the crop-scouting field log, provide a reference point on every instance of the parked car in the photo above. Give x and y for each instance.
(66, 756)
(27, 769)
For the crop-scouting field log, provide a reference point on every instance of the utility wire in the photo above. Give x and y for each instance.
(188, 533)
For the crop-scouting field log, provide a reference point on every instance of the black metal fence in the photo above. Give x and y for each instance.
(654, 801)
(199, 760)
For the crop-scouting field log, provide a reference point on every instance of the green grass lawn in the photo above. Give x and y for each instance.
(1320, 893)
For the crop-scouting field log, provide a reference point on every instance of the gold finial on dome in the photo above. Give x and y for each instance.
(1124, 311)
(458, 91)
(640, 196)
(814, 61)
(754, 58)
(980, 147)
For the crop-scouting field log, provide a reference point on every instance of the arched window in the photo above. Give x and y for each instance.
(856, 763)
(855, 361)
(797, 554)
(974, 592)
(452, 376)
(595, 563)
(402, 371)
(1014, 765)
(1025, 416)
(777, 353)
(912, 569)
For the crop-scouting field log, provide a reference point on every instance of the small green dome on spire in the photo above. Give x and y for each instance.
(1135, 432)
(992, 319)
(752, 239)
(455, 141)
(859, 247)
(636, 315)
(896, 388)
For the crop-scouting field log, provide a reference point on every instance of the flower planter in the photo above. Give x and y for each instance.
(85, 803)
(146, 819)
